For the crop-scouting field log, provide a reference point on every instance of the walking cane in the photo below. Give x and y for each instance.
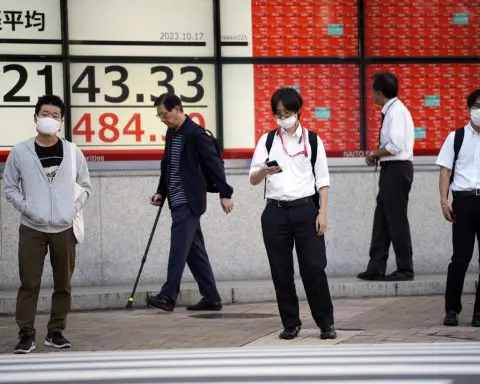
(131, 299)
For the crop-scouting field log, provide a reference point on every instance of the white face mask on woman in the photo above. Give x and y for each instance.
(48, 125)
(287, 123)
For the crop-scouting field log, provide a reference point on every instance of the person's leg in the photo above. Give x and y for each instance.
(184, 228)
(278, 239)
(62, 258)
(312, 262)
(463, 239)
(380, 242)
(201, 268)
(32, 249)
(399, 180)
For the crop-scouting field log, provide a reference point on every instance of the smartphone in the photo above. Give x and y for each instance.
(273, 163)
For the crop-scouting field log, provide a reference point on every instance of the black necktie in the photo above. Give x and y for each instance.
(380, 131)
(379, 136)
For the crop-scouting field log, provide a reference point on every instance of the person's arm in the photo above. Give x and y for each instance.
(322, 184)
(214, 164)
(83, 179)
(445, 161)
(12, 183)
(162, 183)
(258, 169)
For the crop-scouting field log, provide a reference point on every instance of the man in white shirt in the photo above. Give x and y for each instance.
(395, 155)
(462, 175)
(295, 213)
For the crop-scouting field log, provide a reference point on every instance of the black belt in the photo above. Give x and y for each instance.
(290, 203)
(472, 192)
(386, 162)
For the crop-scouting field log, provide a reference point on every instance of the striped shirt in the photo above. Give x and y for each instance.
(175, 188)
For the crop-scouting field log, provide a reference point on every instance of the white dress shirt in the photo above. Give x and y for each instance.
(467, 167)
(398, 132)
(297, 180)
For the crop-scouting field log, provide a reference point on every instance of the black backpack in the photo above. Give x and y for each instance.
(211, 186)
(312, 138)
(457, 144)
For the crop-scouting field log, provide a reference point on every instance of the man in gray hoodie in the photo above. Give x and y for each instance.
(39, 182)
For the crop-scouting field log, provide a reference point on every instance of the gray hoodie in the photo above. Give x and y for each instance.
(46, 207)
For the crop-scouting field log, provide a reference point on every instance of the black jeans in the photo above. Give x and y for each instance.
(282, 227)
(390, 222)
(464, 229)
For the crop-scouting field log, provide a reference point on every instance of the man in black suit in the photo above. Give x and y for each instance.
(190, 159)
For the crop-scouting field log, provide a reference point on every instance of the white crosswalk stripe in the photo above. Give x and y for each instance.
(434, 363)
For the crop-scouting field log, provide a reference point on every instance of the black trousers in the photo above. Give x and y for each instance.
(390, 222)
(464, 229)
(282, 227)
(187, 247)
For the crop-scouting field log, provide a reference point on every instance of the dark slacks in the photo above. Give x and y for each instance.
(187, 247)
(282, 228)
(464, 229)
(390, 222)
(32, 249)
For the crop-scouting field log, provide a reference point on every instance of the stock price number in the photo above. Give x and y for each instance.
(20, 83)
(115, 82)
(122, 128)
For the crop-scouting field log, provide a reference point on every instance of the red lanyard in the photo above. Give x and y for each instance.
(304, 152)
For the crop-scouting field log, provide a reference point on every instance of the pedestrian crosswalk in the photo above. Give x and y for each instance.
(434, 363)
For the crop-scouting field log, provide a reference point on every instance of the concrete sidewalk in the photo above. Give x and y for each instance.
(369, 320)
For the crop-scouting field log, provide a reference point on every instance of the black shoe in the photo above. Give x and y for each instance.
(290, 333)
(57, 340)
(25, 345)
(451, 319)
(370, 276)
(328, 333)
(476, 320)
(161, 302)
(399, 276)
(205, 305)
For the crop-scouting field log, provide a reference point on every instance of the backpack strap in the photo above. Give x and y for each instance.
(313, 140)
(457, 144)
(268, 145)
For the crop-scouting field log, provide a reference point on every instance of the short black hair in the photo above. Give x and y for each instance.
(169, 101)
(386, 83)
(50, 100)
(289, 97)
(472, 98)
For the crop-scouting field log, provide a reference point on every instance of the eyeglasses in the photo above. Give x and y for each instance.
(475, 106)
(284, 115)
(162, 116)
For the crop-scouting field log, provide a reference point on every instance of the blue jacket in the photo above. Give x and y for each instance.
(199, 155)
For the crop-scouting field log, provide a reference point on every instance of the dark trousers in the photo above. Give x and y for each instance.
(390, 222)
(187, 247)
(282, 227)
(32, 249)
(464, 229)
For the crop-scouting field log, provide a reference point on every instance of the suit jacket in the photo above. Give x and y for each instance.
(197, 145)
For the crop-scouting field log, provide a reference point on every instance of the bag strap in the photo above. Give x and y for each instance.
(73, 160)
(312, 138)
(457, 144)
(268, 145)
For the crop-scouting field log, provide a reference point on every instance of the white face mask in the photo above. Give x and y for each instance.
(475, 116)
(48, 125)
(287, 123)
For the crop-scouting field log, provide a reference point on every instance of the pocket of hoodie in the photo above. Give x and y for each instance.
(33, 217)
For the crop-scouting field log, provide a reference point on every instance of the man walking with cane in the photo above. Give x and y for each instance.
(190, 159)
